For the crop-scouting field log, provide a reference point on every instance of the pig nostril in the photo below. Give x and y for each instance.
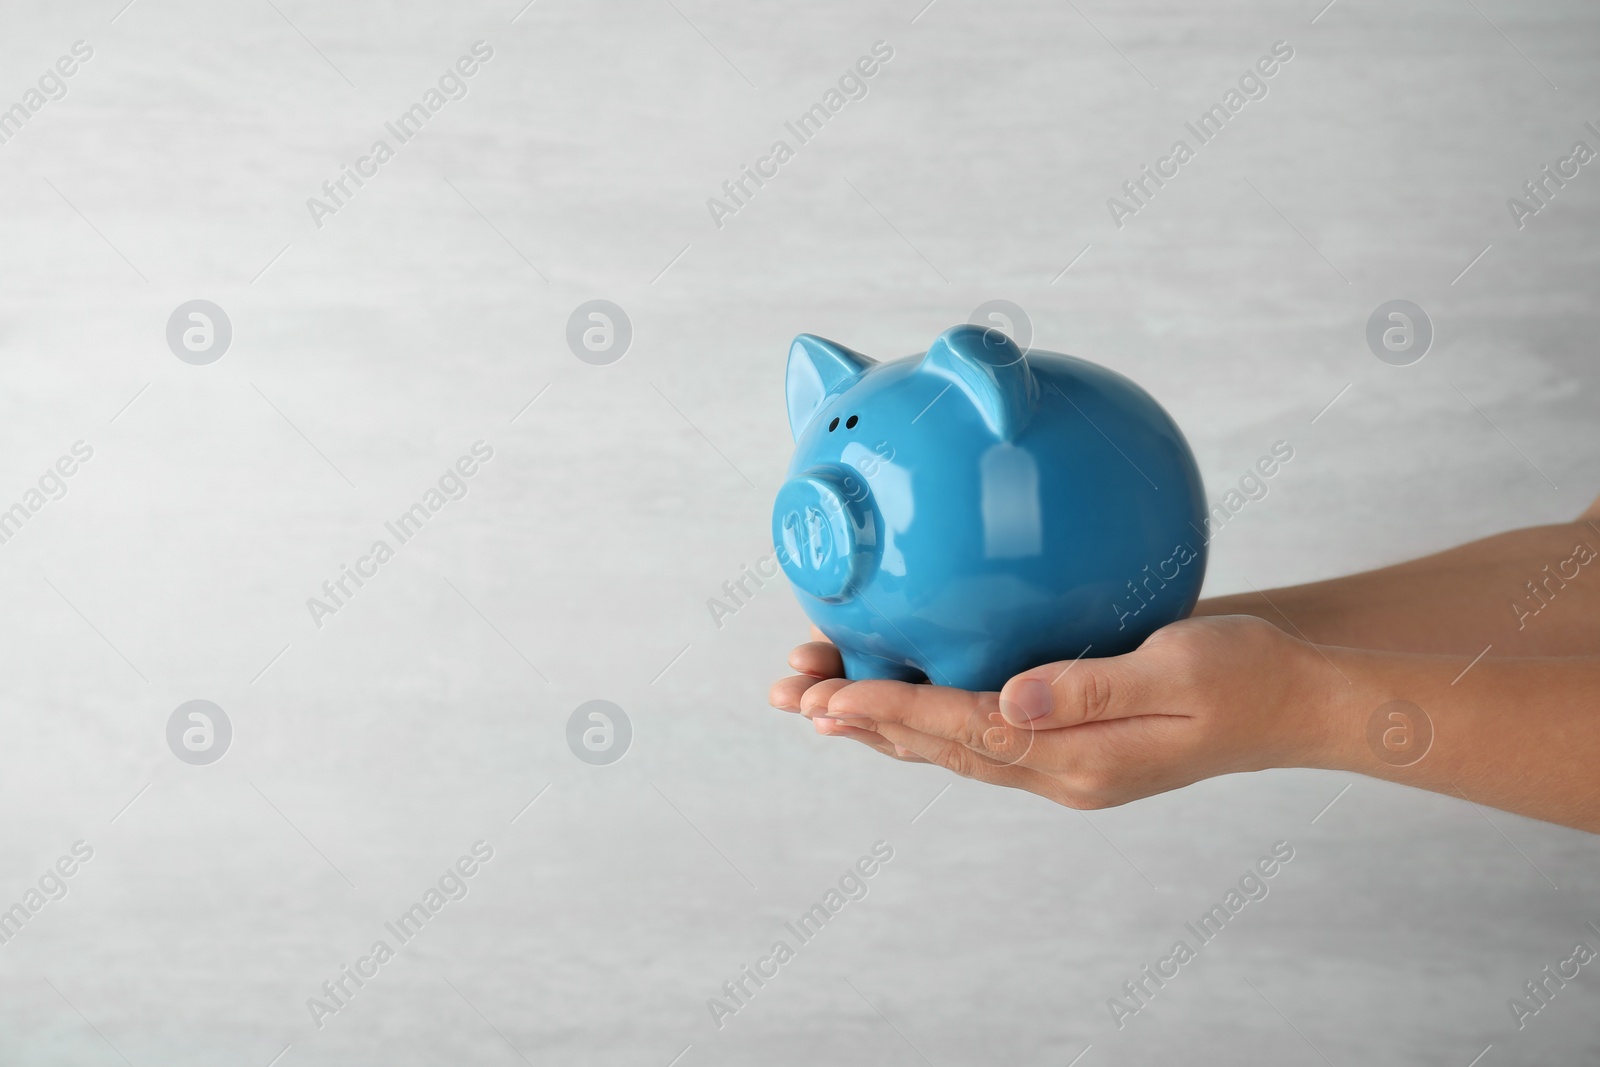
(850, 423)
(834, 425)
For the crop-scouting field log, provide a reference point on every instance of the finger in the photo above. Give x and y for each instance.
(1078, 692)
(820, 659)
(815, 700)
(970, 719)
(870, 738)
(953, 756)
(785, 693)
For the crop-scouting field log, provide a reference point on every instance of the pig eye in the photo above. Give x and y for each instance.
(850, 423)
(834, 425)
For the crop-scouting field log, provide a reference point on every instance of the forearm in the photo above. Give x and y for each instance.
(1517, 734)
(1528, 592)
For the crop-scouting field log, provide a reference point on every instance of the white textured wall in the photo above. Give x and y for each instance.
(372, 352)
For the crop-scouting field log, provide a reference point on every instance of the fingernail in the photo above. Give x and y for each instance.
(824, 724)
(1029, 699)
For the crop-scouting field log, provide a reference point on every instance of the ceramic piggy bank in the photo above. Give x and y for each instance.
(964, 515)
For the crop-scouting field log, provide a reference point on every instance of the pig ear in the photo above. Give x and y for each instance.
(991, 370)
(817, 368)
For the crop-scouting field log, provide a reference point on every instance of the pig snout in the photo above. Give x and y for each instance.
(824, 529)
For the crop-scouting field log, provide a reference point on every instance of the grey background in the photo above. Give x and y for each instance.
(369, 354)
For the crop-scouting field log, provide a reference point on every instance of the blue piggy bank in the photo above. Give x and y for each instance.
(964, 515)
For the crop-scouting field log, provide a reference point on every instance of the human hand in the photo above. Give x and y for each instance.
(1201, 697)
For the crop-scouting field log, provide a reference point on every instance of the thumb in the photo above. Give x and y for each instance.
(1073, 693)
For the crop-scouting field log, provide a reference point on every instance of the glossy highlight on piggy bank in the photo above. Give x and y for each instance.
(967, 514)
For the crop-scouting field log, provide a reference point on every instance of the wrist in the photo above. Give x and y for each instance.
(1331, 699)
(1367, 711)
